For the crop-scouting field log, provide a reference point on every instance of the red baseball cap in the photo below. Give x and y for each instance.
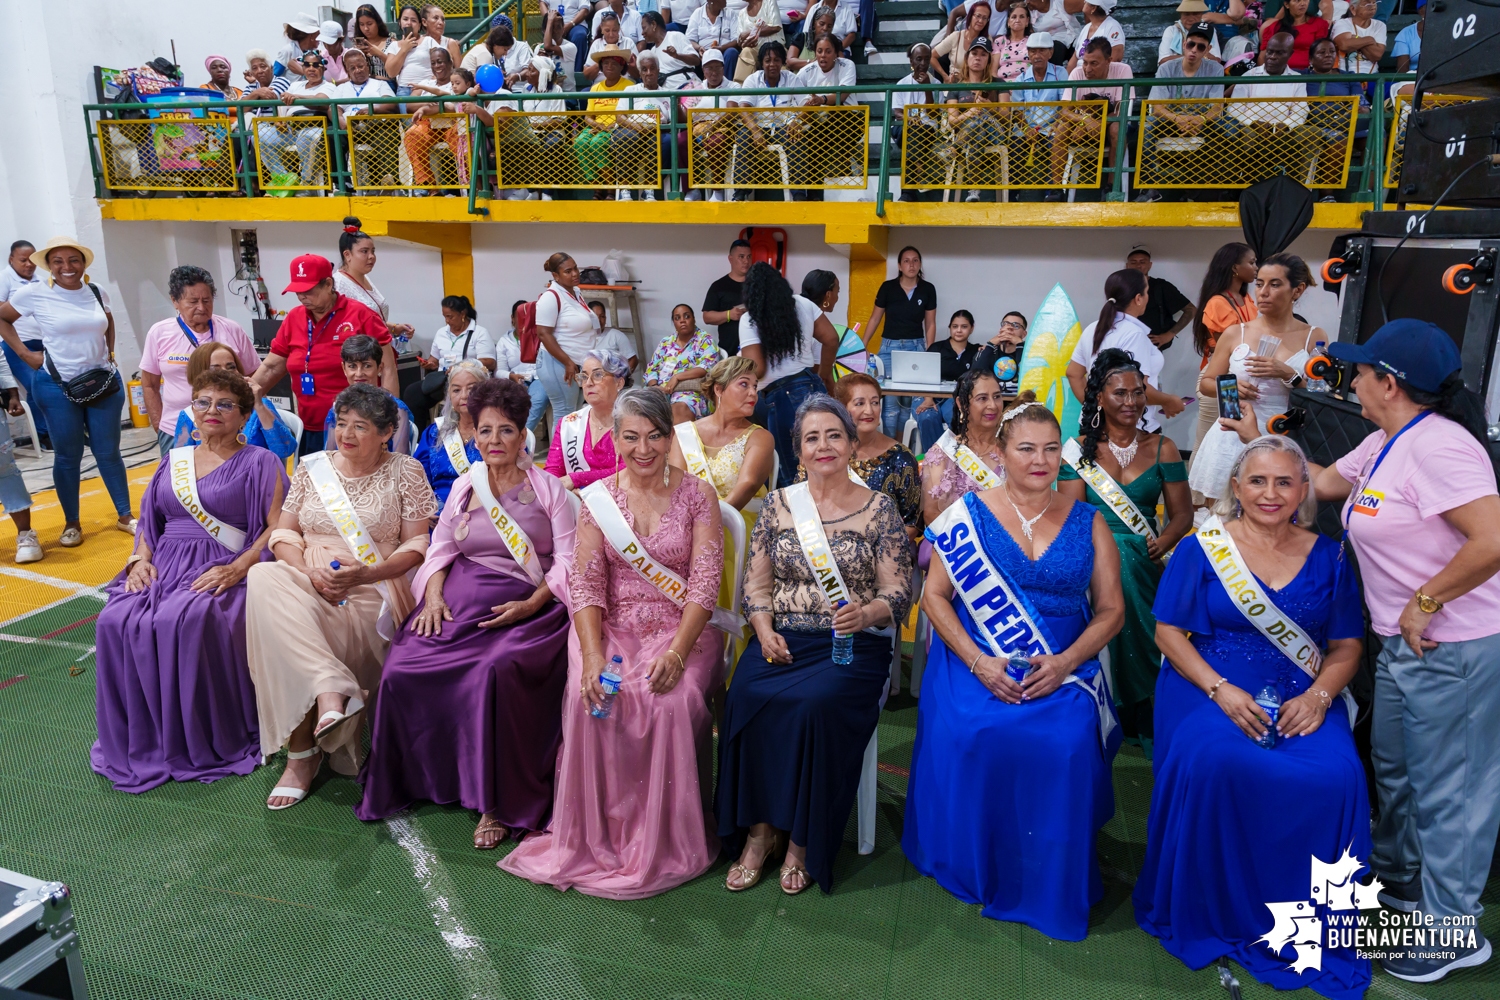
(307, 272)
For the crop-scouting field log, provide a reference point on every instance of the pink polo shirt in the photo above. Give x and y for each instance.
(165, 353)
(1399, 534)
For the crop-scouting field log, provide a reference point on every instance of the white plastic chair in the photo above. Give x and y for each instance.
(878, 365)
(295, 426)
(530, 443)
(909, 435)
(36, 438)
(786, 170)
(735, 524)
(775, 470)
(869, 781)
(574, 504)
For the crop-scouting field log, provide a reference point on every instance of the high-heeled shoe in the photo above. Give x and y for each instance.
(749, 877)
(287, 791)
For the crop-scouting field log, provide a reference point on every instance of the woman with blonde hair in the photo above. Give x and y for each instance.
(725, 448)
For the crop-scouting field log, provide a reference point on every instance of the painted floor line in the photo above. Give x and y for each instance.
(32, 640)
(56, 582)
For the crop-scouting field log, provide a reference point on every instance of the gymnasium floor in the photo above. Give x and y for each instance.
(197, 891)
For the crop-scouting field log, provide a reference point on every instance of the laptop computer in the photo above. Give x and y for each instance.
(919, 371)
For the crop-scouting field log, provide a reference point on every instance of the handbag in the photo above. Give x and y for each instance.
(93, 384)
(434, 382)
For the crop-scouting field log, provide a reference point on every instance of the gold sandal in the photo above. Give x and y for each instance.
(794, 870)
(748, 877)
(488, 825)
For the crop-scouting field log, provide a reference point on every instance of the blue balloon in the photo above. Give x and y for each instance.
(491, 78)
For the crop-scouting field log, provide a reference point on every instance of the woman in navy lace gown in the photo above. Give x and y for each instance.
(1233, 826)
(1010, 782)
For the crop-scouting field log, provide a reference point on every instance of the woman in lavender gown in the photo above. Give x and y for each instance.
(175, 700)
(470, 702)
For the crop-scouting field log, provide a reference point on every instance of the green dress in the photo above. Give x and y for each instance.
(1133, 656)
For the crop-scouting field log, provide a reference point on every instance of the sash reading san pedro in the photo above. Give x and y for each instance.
(1003, 616)
(963, 456)
(1277, 626)
(516, 540)
(185, 486)
(341, 511)
(617, 533)
(570, 431)
(1108, 490)
(453, 444)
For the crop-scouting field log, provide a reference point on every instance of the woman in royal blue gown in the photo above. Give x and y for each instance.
(445, 439)
(1010, 782)
(1233, 826)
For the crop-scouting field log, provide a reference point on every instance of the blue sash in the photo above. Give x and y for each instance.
(1003, 617)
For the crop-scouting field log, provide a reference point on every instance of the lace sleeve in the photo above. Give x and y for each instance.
(934, 472)
(417, 500)
(590, 578)
(758, 570)
(893, 558)
(297, 495)
(707, 567)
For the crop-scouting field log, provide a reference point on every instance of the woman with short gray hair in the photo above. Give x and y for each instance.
(629, 818)
(801, 711)
(583, 448)
(318, 620)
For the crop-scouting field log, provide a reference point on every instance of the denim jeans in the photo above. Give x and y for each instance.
(776, 410)
(274, 142)
(931, 424)
(68, 421)
(579, 36)
(565, 397)
(23, 374)
(539, 400)
(894, 410)
(13, 493)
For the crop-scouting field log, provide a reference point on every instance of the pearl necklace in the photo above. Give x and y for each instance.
(1124, 455)
(1027, 523)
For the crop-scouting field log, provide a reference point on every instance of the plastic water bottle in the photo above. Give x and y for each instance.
(843, 645)
(1317, 384)
(335, 565)
(1017, 667)
(610, 682)
(1270, 701)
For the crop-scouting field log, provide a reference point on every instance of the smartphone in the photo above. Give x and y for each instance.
(1229, 397)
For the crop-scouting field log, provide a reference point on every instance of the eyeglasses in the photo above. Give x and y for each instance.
(222, 405)
(598, 376)
(1011, 324)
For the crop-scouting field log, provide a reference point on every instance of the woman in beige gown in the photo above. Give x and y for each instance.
(319, 619)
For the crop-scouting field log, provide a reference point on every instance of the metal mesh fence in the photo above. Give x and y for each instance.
(291, 154)
(391, 152)
(560, 149)
(1005, 145)
(1236, 142)
(1401, 111)
(803, 148)
(179, 154)
(455, 8)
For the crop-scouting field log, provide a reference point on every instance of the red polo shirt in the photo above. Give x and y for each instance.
(347, 319)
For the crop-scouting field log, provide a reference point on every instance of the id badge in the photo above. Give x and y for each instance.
(307, 384)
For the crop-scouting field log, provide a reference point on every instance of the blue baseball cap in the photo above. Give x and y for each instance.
(1416, 352)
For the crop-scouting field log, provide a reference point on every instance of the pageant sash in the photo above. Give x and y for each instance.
(515, 539)
(963, 456)
(1108, 490)
(856, 477)
(693, 453)
(453, 444)
(617, 533)
(814, 543)
(341, 510)
(1002, 614)
(571, 431)
(1277, 626)
(185, 486)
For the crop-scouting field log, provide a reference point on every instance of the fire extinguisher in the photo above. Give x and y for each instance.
(138, 416)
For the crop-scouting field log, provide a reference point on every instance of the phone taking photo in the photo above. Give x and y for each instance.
(1229, 397)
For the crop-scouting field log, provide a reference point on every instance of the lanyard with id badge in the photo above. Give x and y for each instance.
(307, 386)
(188, 333)
(1368, 501)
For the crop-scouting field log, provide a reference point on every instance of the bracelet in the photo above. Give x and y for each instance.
(137, 557)
(681, 665)
(975, 660)
(1323, 696)
(1215, 689)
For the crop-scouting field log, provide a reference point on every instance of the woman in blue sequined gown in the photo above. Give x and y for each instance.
(1233, 827)
(1006, 795)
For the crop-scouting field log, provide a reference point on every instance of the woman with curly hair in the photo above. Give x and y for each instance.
(1125, 481)
(967, 457)
(792, 344)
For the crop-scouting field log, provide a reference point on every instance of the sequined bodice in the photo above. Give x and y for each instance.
(1057, 583)
(724, 463)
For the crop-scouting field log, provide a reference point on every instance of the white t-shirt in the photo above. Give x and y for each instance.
(842, 75)
(449, 349)
(808, 352)
(10, 282)
(1108, 28)
(900, 101)
(573, 323)
(418, 65)
(615, 340)
(1354, 62)
(682, 11)
(301, 89)
(670, 64)
(370, 88)
(1056, 21)
(630, 25)
(641, 99)
(519, 56)
(71, 325)
(1290, 114)
(694, 101)
(1131, 335)
(717, 34)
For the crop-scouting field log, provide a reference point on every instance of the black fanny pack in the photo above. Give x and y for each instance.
(92, 384)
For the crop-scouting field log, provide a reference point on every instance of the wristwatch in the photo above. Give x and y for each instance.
(1429, 605)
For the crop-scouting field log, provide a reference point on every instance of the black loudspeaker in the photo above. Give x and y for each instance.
(1459, 43)
(1330, 428)
(1444, 144)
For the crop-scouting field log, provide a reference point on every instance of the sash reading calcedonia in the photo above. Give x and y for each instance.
(185, 486)
(814, 543)
(963, 456)
(453, 444)
(1242, 586)
(516, 540)
(617, 533)
(1108, 490)
(570, 432)
(1000, 612)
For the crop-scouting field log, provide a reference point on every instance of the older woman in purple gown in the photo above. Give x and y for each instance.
(470, 704)
(174, 696)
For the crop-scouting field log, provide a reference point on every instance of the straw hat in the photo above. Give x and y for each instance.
(39, 258)
(610, 53)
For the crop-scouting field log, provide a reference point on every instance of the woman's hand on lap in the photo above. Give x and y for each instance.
(775, 648)
(666, 671)
(430, 621)
(509, 613)
(991, 673)
(1302, 715)
(1047, 675)
(220, 578)
(1243, 711)
(142, 574)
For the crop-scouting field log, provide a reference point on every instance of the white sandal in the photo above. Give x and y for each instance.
(331, 719)
(286, 791)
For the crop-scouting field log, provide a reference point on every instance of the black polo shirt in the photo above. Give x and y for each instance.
(1162, 306)
(723, 295)
(952, 363)
(906, 316)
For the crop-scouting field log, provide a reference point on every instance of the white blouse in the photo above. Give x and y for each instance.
(345, 285)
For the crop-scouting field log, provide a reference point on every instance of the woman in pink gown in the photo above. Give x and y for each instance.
(631, 817)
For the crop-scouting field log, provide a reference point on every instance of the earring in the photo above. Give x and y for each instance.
(666, 475)
(1239, 511)
(1095, 422)
(240, 437)
(1294, 517)
(196, 436)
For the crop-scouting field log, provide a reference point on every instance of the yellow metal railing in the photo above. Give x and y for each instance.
(393, 153)
(1400, 112)
(1236, 142)
(180, 154)
(291, 154)
(1004, 145)
(561, 149)
(454, 8)
(822, 148)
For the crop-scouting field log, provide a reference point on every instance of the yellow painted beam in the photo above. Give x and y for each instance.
(453, 240)
(865, 246)
(446, 210)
